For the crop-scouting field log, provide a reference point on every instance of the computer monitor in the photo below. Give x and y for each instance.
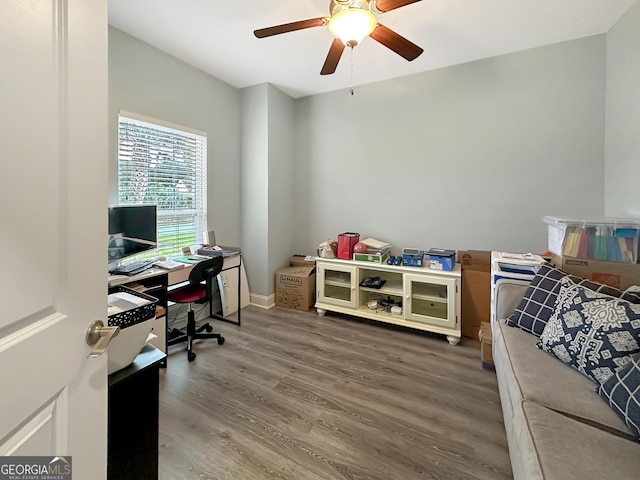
(133, 229)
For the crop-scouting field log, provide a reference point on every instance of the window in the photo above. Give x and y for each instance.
(165, 165)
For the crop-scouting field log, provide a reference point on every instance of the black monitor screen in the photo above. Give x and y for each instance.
(132, 229)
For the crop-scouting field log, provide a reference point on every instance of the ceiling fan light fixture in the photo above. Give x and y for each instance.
(351, 25)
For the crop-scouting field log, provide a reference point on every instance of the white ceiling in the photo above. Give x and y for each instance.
(216, 36)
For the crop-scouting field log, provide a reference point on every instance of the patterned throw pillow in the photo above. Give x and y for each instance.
(622, 392)
(593, 332)
(538, 303)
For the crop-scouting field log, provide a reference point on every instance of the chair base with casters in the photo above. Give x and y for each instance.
(195, 292)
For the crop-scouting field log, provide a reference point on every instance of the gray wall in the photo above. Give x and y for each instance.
(148, 82)
(268, 190)
(622, 158)
(471, 156)
(254, 213)
(283, 191)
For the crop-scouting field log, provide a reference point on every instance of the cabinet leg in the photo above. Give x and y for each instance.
(321, 311)
(453, 340)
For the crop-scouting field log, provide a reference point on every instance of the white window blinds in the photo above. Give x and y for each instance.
(165, 165)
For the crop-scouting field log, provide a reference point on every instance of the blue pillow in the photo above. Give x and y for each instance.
(622, 392)
(538, 303)
(592, 332)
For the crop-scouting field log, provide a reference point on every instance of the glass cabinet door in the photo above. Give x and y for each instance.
(430, 300)
(337, 284)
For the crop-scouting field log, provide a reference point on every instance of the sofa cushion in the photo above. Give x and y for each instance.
(537, 305)
(526, 373)
(622, 392)
(565, 449)
(593, 332)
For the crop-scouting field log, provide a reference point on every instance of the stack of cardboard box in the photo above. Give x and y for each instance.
(619, 275)
(296, 284)
(476, 290)
(486, 339)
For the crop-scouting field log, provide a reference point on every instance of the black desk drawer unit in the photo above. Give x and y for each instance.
(133, 418)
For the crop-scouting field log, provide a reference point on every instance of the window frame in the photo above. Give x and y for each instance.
(139, 157)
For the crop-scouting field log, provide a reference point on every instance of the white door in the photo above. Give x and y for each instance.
(53, 199)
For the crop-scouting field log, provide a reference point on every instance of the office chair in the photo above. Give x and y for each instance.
(196, 291)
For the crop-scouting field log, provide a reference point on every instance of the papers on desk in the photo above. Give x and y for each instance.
(199, 257)
(122, 301)
(113, 278)
(170, 265)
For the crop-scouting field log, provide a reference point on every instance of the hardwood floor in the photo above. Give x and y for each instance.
(292, 395)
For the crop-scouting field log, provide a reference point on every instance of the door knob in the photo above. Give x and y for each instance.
(99, 336)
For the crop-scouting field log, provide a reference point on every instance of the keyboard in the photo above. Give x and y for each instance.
(132, 268)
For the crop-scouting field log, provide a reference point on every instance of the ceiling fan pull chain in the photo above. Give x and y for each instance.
(351, 85)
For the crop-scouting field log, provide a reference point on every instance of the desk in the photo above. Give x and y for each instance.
(132, 442)
(157, 281)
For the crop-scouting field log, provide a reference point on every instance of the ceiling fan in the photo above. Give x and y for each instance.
(349, 23)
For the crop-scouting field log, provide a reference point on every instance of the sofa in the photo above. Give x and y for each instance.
(557, 425)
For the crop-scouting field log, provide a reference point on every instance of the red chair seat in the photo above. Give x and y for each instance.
(188, 294)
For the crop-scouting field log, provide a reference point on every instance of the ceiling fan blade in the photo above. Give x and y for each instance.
(396, 42)
(387, 5)
(333, 57)
(290, 27)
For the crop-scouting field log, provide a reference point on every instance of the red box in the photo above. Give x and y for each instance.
(346, 241)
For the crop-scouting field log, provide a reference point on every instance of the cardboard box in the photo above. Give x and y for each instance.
(476, 290)
(302, 261)
(486, 354)
(296, 287)
(615, 274)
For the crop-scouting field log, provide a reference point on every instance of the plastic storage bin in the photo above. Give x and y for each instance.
(509, 272)
(137, 312)
(609, 239)
(412, 257)
(440, 259)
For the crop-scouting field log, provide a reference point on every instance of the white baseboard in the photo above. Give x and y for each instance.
(263, 301)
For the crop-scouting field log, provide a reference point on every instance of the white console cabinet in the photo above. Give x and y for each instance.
(430, 298)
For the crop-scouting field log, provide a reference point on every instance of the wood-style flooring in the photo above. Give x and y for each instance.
(292, 395)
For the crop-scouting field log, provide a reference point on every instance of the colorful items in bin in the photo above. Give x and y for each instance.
(346, 242)
(412, 257)
(440, 259)
(609, 239)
